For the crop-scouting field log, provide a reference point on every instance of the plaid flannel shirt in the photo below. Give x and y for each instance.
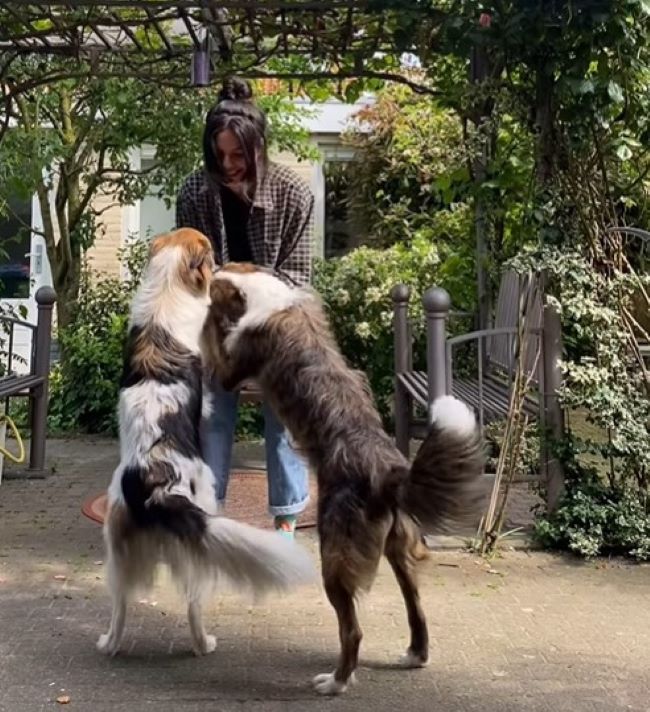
(280, 225)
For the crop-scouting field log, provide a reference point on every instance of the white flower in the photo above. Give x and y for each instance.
(363, 329)
(342, 296)
(375, 294)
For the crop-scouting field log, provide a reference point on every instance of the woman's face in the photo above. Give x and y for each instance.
(230, 156)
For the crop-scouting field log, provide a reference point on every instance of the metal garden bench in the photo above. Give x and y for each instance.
(33, 383)
(488, 390)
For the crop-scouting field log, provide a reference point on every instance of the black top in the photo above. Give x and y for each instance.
(236, 212)
(279, 228)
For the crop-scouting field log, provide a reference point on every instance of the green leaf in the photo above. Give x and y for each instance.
(353, 91)
(43, 25)
(623, 152)
(581, 86)
(615, 92)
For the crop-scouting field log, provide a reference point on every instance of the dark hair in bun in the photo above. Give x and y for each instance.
(236, 111)
(235, 89)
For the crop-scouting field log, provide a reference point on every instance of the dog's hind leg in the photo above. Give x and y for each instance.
(350, 635)
(202, 644)
(109, 643)
(401, 545)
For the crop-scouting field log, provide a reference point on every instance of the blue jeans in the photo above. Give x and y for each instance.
(287, 472)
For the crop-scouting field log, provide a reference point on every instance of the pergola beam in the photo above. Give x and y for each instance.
(313, 26)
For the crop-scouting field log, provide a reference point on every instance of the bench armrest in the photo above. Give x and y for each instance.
(484, 333)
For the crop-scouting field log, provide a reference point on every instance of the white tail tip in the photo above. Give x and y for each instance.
(449, 413)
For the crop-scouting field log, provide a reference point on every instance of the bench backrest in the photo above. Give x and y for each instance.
(516, 293)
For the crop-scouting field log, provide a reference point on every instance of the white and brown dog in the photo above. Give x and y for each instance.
(370, 499)
(162, 506)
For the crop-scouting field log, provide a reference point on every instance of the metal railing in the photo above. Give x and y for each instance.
(36, 382)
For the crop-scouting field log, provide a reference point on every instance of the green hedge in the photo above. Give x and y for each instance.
(356, 290)
(84, 385)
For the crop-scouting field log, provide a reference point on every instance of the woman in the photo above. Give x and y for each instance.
(253, 211)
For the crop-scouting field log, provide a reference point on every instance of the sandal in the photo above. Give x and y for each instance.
(285, 524)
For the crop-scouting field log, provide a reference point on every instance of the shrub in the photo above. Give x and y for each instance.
(356, 290)
(607, 457)
(410, 163)
(596, 519)
(250, 423)
(85, 384)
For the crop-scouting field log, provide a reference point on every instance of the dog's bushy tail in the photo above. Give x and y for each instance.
(211, 548)
(444, 486)
(254, 558)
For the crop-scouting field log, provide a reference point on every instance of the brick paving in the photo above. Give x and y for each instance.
(527, 631)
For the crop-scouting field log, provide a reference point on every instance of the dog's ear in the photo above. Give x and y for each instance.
(228, 302)
(198, 265)
(227, 306)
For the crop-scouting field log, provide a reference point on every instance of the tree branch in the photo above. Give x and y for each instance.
(42, 192)
(86, 196)
(144, 75)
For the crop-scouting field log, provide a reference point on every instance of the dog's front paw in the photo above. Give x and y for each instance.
(107, 644)
(205, 646)
(327, 684)
(413, 660)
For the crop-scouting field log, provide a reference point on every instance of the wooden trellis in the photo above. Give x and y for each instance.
(161, 39)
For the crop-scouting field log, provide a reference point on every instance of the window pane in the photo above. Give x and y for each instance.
(15, 241)
(339, 237)
(155, 216)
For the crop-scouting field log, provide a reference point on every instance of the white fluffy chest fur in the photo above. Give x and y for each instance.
(141, 410)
